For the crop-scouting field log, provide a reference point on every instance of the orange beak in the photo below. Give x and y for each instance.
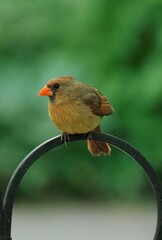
(45, 91)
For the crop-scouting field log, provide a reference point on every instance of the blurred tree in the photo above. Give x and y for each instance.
(114, 45)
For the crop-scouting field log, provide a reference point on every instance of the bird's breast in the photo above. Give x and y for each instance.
(74, 117)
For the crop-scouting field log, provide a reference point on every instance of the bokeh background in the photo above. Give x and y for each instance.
(115, 46)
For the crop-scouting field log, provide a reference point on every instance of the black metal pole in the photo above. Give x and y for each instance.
(56, 141)
(1, 213)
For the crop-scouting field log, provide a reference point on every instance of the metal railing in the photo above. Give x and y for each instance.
(8, 200)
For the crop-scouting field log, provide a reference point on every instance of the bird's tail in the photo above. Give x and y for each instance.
(96, 147)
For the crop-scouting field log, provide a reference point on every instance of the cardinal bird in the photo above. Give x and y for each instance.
(76, 107)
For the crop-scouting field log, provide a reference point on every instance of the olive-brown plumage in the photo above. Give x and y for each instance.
(77, 107)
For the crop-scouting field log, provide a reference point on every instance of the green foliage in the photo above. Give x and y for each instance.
(113, 45)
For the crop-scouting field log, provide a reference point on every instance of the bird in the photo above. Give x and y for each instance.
(76, 108)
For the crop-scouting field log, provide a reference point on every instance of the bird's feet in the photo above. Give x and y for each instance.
(65, 137)
(90, 135)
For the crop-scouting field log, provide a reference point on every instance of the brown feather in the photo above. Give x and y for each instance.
(98, 103)
(96, 148)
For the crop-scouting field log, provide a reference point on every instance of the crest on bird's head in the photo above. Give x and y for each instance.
(64, 79)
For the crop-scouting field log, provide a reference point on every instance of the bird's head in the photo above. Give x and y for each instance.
(57, 87)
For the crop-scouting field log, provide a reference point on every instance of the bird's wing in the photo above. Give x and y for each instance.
(98, 103)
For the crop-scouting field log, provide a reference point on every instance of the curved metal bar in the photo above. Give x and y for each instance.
(56, 141)
(1, 212)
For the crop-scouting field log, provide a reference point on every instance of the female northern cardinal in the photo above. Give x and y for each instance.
(77, 107)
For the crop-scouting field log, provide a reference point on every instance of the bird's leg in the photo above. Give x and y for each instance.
(65, 137)
(90, 135)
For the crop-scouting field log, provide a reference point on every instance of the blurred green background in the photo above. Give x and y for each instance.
(115, 46)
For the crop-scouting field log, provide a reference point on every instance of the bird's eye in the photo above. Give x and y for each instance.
(56, 85)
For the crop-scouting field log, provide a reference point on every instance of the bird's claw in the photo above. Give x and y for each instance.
(90, 135)
(65, 137)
